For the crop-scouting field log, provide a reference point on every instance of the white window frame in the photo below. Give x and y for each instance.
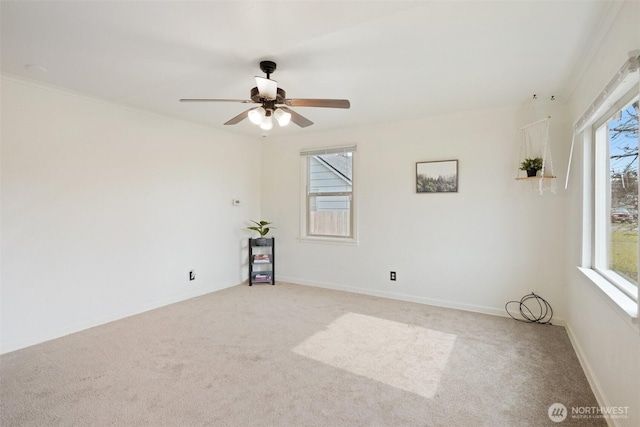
(602, 199)
(619, 90)
(305, 236)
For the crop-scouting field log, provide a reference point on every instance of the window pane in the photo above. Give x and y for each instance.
(623, 184)
(329, 197)
(330, 216)
(331, 173)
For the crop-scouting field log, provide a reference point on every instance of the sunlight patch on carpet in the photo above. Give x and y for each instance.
(405, 356)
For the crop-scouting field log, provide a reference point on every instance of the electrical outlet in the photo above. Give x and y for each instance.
(392, 276)
(192, 275)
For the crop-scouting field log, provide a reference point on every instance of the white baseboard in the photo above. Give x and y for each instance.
(591, 378)
(410, 298)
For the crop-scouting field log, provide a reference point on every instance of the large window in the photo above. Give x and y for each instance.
(615, 225)
(329, 193)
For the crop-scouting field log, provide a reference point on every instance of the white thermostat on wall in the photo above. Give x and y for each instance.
(236, 202)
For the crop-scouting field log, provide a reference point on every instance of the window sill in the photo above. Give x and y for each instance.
(329, 240)
(615, 295)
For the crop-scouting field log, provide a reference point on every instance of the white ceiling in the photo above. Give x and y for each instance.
(392, 59)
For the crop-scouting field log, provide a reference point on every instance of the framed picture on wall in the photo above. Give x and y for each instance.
(437, 177)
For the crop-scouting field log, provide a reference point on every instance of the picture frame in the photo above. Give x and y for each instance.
(439, 176)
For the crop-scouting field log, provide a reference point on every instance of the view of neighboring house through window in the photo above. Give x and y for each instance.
(329, 192)
(616, 198)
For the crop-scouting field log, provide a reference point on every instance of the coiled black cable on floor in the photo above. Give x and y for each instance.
(527, 314)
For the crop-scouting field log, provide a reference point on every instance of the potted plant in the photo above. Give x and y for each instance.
(262, 229)
(531, 165)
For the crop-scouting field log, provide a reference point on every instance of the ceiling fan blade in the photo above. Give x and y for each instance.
(328, 103)
(244, 101)
(240, 117)
(267, 88)
(296, 118)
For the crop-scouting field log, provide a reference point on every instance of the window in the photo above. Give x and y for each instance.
(615, 202)
(328, 199)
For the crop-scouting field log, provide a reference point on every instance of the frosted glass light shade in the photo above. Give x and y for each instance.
(267, 88)
(267, 123)
(256, 115)
(282, 117)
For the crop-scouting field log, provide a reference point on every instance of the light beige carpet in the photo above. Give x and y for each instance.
(289, 355)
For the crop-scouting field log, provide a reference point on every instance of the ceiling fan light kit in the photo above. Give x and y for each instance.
(266, 123)
(274, 103)
(282, 117)
(256, 115)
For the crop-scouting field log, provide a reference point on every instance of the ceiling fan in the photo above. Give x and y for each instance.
(273, 103)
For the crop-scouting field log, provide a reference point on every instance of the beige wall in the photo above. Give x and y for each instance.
(606, 340)
(105, 210)
(493, 241)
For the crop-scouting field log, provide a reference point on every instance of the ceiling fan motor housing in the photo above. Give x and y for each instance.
(280, 97)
